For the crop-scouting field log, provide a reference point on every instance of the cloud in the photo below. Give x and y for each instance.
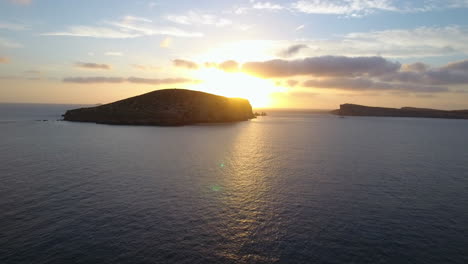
(363, 73)
(145, 67)
(257, 6)
(364, 84)
(229, 66)
(292, 50)
(195, 18)
(93, 32)
(322, 66)
(267, 5)
(455, 73)
(397, 42)
(301, 27)
(359, 8)
(166, 42)
(461, 66)
(90, 65)
(114, 53)
(6, 43)
(148, 29)
(127, 27)
(354, 8)
(135, 80)
(94, 80)
(160, 81)
(415, 67)
(4, 60)
(21, 2)
(130, 19)
(12, 26)
(185, 64)
(340, 7)
(292, 83)
(393, 43)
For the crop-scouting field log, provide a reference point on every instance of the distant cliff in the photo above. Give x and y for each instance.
(170, 107)
(360, 110)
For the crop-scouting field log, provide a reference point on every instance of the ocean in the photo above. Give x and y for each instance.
(291, 187)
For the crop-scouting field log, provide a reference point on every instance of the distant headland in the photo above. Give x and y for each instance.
(361, 110)
(169, 107)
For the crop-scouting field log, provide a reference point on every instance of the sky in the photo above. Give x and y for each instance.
(279, 54)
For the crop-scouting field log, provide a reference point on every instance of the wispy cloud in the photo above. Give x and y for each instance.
(145, 67)
(300, 27)
(93, 66)
(185, 64)
(148, 29)
(196, 18)
(135, 80)
(259, 5)
(354, 8)
(397, 43)
(130, 19)
(127, 27)
(227, 66)
(93, 32)
(267, 5)
(292, 50)
(12, 26)
(114, 53)
(437, 41)
(341, 7)
(6, 43)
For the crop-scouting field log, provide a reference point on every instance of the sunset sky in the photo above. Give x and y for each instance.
(286, 54)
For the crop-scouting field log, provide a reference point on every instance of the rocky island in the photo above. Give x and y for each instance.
(360, 110)
(169, 107)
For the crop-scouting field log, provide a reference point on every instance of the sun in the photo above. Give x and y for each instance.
(237, 84)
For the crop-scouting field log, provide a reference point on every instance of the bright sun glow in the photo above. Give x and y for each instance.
(257, 91)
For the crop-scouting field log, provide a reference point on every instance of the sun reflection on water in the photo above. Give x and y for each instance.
(248, 226)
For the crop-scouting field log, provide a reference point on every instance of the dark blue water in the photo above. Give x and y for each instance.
(292, 187)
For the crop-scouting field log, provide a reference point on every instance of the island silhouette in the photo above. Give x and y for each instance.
(361, 110)
(168, 107)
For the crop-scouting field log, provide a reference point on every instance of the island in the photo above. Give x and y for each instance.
(168, 107)
(361, 110)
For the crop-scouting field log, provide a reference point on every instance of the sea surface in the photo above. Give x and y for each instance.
(291, 187)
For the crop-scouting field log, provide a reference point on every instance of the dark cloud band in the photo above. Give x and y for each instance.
(322, 66)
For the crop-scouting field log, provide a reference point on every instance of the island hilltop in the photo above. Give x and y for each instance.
(169, 107)
(361, 110)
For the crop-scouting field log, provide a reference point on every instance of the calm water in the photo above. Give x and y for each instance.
(288, 188)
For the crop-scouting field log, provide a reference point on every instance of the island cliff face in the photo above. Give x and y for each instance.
(170, 107)
(360, 110)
